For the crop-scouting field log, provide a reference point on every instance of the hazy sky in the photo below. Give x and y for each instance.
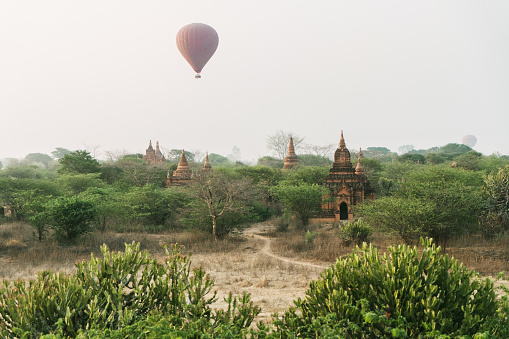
(107, 74)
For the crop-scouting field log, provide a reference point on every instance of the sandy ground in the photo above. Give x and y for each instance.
(274, 282)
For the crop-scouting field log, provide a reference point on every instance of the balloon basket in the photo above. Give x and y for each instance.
(197, 76)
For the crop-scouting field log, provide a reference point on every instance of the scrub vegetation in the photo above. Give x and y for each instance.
(79, 210)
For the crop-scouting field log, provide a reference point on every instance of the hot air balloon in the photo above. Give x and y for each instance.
(469, 140)
(197, 43)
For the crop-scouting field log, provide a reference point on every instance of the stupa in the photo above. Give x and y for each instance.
(291, 159)
(182, 175)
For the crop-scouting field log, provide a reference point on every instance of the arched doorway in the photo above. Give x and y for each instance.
(343, 211)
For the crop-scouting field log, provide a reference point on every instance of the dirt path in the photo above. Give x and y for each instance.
(266, 251)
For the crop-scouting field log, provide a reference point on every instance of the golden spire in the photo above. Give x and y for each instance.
(183, 162)
(206, 164)
(342, 144)
(291, 158)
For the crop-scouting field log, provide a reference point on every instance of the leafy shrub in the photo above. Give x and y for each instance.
(69, 217)
(116, 292)
(400, 294)
(310, 237)
(357, 232)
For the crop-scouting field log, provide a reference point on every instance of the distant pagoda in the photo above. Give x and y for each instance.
(154, 156)
(206, 169)
(348, 186)
(291, 159)
(182, 175)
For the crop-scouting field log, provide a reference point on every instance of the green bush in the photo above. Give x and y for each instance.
(400, 294)
(356, 232)
(116, 292)
(69, 217)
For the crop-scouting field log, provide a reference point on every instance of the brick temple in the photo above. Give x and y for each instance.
(154, 156)
(348, 186)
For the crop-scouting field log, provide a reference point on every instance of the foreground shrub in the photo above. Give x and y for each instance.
(116, 292)
(356, 232)
(400, 294)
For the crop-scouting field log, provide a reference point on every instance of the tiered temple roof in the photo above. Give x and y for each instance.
(347, 186)
(182, 175)
(291, 158)
(154, 156)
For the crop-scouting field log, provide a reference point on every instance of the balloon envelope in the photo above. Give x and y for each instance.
(197, 43)
(469, 140)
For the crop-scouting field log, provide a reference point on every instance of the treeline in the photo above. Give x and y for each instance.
(417, 195)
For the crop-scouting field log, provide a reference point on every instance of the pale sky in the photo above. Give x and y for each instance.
(107, 74)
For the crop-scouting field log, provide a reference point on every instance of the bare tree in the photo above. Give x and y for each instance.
(322, 151)
(92, 149)
(115, 155)
(278, 142)
(222, 192)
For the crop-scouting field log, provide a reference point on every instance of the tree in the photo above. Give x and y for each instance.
(325, 151)
(377, 152)
(75, 184)
(174, 155)
(405, 149)
(270, 162)
(452, 150)
(446, 200)
(222, 192)
(278, 143)
(470, 160)
(134, 171)
(313, 160)
(69, 217)
(78, 162)
(496, 205)
(406, 217)
(302, 199)
(414, 158)
(60, 152)
(435, 158)
(218, 160)
(38, 158)
(153, 205)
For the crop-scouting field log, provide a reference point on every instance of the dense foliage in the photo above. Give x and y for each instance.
(116, 292)
(400, 294)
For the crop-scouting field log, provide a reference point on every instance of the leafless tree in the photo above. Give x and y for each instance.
(278, 142)
(322, 151)
(221, 193)
(115, 155)
(92, 149)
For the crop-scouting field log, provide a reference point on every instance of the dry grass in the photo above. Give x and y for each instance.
(488, 257)
(22, 255)
(236, 264)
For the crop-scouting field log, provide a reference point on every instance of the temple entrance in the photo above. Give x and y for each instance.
(343, 211)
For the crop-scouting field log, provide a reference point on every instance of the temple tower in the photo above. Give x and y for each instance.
(153, 156)
(206, 169)
(291, 159)
(182, 175)
(347, 186)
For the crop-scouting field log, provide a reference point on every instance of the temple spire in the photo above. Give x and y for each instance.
(342, 144)
(291, 158)
(206, 165)
(359, 169)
